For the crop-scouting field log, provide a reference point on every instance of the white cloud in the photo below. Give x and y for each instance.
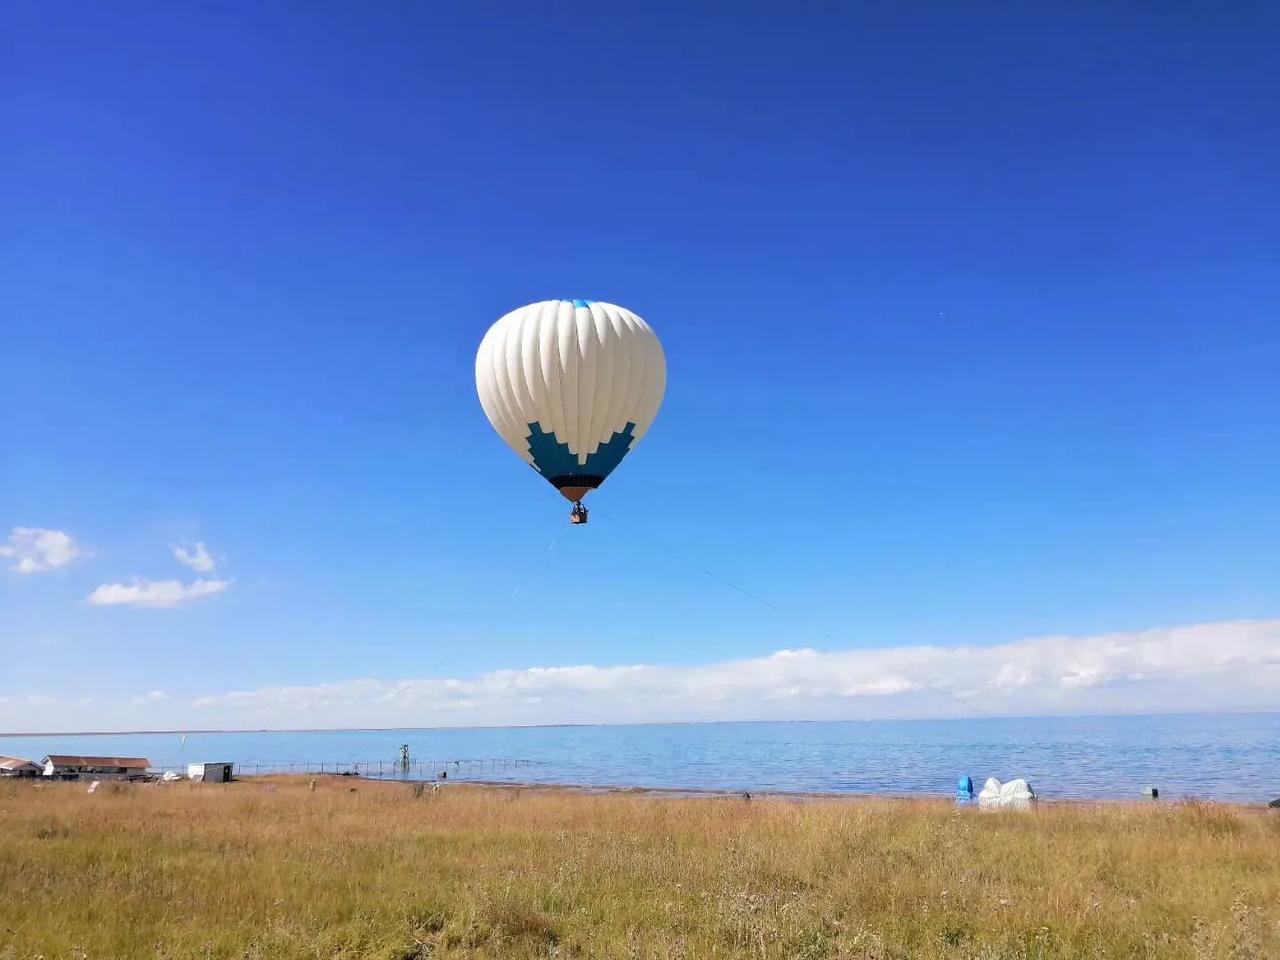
(155, 696)
(154, 593)
(27, 700)
(197, 558)
(1216, 666)
(35, 550)
(1233, 666)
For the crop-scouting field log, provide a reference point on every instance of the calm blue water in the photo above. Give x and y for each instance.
(1212, 757)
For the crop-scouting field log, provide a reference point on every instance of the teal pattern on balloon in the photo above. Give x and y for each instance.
(551, 458)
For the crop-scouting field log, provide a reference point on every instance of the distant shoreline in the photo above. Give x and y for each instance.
(723, 793)
(636, 723)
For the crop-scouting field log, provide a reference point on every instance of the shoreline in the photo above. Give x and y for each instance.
(711, 793)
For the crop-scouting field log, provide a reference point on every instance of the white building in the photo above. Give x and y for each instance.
(210, 772)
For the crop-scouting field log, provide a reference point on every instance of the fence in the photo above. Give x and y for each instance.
(474, 768)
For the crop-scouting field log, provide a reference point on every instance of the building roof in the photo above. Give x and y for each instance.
(66, 760)
(17, 763)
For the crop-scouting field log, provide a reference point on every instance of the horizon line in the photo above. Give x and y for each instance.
(605, 723)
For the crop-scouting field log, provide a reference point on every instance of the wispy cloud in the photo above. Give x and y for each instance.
(9, 702)
(142, 592)
(197, 558)
(155, 696)
(1233, 665)
(36, 550)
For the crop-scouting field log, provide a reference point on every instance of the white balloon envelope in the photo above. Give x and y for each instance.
(571, 386)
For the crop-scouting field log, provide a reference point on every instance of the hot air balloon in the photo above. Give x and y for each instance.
(571, 386)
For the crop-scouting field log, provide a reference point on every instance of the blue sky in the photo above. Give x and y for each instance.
(970, 319)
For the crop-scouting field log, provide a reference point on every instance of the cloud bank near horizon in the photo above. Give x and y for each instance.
(1203, 667)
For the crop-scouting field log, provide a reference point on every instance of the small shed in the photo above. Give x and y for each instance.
(210, 772)
(18, 767)
(63, 766)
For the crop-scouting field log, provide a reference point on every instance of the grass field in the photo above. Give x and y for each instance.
(257, 869)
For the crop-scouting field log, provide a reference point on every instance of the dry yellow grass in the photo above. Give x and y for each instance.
(275, 870)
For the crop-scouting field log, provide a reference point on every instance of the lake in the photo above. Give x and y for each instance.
(1221, 757)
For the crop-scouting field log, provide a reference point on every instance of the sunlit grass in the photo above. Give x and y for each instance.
(368, 870)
